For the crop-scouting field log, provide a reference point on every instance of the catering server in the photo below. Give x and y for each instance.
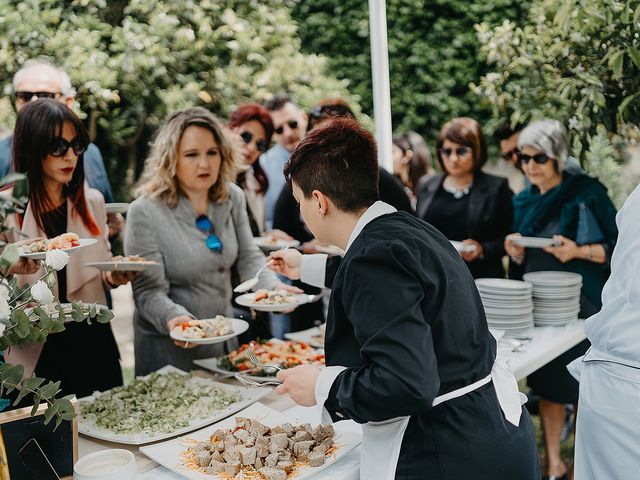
(408, 351)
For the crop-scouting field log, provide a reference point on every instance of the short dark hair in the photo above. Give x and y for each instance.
(278, 101)
(327, 108)
(464, 131)
(505, 130)
(339, 158)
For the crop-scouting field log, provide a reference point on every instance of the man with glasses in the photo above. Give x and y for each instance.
(38, 78)
(290, 127)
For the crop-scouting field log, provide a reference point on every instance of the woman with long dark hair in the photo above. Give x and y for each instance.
(48, 146)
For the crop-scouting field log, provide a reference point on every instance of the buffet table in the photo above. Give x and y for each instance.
(546, 344)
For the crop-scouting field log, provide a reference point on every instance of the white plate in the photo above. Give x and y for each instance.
(169, 453)
(249, 396)
(117, 266)
(273, 244)
(117, 207)
(499, 285)
(535, 242)
(551, 277)
(462, 247)
(247, 300)
(239, 326)
(309, 336)
(84, 242)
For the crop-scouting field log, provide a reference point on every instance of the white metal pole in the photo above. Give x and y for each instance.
(380, 76)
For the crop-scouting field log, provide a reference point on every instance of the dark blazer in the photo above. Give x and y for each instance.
(489, 221)
(406, 320)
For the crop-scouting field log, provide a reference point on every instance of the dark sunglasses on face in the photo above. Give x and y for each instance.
(460, 151)
(261, 145)
(213, 242)
(27, 96)
(60, 147)
(509, 155)
(293, 124)
(540, 159)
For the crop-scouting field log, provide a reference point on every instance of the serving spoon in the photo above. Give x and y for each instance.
(252, 282)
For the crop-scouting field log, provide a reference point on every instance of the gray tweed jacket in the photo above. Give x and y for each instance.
(191, 279)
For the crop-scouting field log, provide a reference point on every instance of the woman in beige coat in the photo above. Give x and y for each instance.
(49, 142)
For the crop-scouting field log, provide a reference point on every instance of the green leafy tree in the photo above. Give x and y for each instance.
(133, 62)
(433, 53)
(577, 61)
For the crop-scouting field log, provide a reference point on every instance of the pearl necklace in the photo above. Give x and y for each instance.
(457, 193)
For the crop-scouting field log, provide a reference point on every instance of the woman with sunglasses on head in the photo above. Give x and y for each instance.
(48, 146)
(575, 211)
(466, 204)
(191, 218)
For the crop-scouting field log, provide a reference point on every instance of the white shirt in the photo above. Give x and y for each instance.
(614, 332)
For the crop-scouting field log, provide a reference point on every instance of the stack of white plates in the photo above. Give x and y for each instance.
(507, 304)
(556, 296)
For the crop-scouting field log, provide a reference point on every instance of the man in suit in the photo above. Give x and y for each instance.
(408, 352)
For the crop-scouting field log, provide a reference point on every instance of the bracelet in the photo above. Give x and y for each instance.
(590, 254)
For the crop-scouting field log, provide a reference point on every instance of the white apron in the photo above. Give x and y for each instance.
(381, 441)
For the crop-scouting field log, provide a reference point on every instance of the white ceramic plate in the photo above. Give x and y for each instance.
(169, 453)
(117, 207)
(313, 336)
(269, 243)
(249, 395)
(118, 266)
(247, 300)
(550, 277)
(239, 326)
(462, 247)
(84, 242)
(535, 242)
(499, 285)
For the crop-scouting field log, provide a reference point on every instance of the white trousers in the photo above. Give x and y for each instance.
(608, 424)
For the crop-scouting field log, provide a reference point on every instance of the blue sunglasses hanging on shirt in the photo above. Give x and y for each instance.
(213, 242)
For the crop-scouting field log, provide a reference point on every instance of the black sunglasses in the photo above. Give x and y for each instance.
(261, 145)
(540, 159)
(509, 155)
(293, 124)
(27, 96)
(460, 151)
(213, 242)
(60, 147)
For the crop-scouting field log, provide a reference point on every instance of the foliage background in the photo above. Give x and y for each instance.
(134, 61)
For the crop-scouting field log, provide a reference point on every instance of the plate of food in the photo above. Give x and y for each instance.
(209, 330)
(272, 243)
(117, 207)
(313, 336)
(161, 405)
(285, 353)
(241, 447)
(535, 242)
(67, 242)
(272, 300)
(131, 263)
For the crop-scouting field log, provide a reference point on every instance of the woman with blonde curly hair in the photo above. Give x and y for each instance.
(191, 218)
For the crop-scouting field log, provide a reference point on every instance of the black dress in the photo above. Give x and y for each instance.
(84, 357)
(406, 320)
(487, 217)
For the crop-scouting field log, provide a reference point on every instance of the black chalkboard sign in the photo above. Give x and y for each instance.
(60, 447)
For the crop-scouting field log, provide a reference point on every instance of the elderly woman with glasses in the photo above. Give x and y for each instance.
(191, 218)
(466, 204)
(576, 212)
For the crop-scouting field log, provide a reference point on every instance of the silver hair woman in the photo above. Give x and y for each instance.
(190, 218)
(576, 212)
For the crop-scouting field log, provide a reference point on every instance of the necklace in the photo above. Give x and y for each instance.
(457, 192)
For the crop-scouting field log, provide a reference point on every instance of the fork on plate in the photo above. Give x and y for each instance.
(251, 355)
